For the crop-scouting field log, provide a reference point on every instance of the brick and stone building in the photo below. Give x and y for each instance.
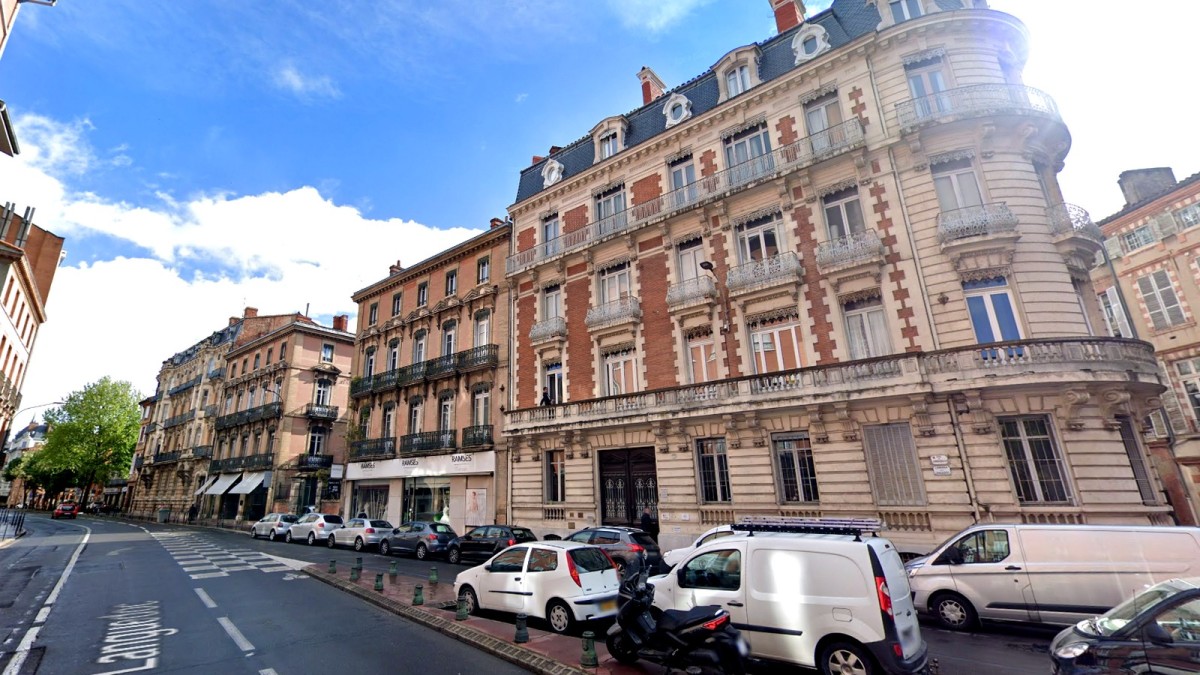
(832, 275)
(1153, 253)
(430, 366)
(24, 444)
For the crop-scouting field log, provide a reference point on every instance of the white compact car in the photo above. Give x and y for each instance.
(671, 558)
(563, 582)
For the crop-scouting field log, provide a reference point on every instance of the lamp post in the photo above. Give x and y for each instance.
(726, 325)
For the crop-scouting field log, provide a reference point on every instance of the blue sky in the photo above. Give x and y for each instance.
(204, 156)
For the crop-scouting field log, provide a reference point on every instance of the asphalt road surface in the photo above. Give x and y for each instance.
(95, 596)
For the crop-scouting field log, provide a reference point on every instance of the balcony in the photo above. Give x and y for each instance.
(179, 419)
(978, 100)
(784, 268)
(427, 442)
(360, 386)
(413, 374)
(441, 366)
(165, 457)
(385, 380)
(372, 448)
(210, 410)
(1076, 237)
(1053, 364)
(476, 358)
(803, 153)
(622, 310)
(202, 451)
(318, 411)
(179, 389)
(216, 374)
(477, 436)
(314, 462)
(690, 292)
(553, 328)
(247, 463)
(850, 252)
(984, 220)
(137, 462)
(262, 412)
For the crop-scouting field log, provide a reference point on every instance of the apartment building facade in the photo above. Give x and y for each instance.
(1149, 287)
(833, 275)
(25, 443)
(280, 431)
(429, 389)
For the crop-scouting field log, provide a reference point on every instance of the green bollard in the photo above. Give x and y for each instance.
(353, 574)
(588, 659)
(461, 612)
(394, 569)
(522, 629)
(418, 596)
(333, 567)
(358, 564)
(379, 581)
(433, 575)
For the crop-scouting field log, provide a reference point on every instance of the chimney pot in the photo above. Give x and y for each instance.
(340, 321)
(234, 319)
(788, 13)
(536, 159)
(250, 312)
(1138, 185)
(496, 222)
(396, 269)
(553, 149)
(652, 86)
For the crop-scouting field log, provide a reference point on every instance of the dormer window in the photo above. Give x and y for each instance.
(677, 109)
(608, 146)
(737, 80)
(903, 10)
(737, 71)
(609, 137)
(810, 41)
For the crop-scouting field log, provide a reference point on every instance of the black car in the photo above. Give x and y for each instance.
(1155, 631)
(487, 540)
(623, 544)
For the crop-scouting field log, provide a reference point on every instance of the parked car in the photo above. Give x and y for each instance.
(819, 595)
(65, 510)
(273, 526)
(360, 533)
(563, 582)
(313, 527)
(486, 541)
(1155, 631)
(1056, 574)
(622, 544)
(420, 538)
(671, 558)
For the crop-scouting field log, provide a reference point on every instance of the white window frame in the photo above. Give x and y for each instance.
(1139, 237)
(870, 322)
(610, 211)
(609, 145)
(483, 270)
(702, 357)
(618, 368)
(1188, 374)
(551, 302)
(373, 314)
(950, 182)
(758, 230)
(766, 339)
(449, 338)
(451, 282)
(1188, 216)
(422, 294)
(316, 440)
(369, 362)
(1034, 466)
(683, 181)
(397, 303)
(393, 359)
(327, 353)
(419, 344)
(1114, 313)
(689, 255)
(553, 380)
(416, 416)
(987, 293)
(615, 283)
(846, 206)
(445, 413)
(555, 484)
(737, 80)
(323, 392)
(902, 10)
(388, 429)
(1160, 300)
(481, 407)
(483, 328)
(551, 230)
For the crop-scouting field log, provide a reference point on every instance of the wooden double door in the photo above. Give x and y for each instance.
(628, 484)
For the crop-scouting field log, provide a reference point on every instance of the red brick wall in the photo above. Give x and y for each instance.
(787, 130)
(814, 292)
(723, 255)
(576, 269)
(708, 163)
(656, 319)
(580, 371)
(575, 219)
(647, 188)
(858, 107)
(896, 275)
(526, 239)
(526, 379)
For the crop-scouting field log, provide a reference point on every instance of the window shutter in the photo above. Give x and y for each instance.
(1153, 306)
(1113, 246)
(1166, 224)
(1170, 301)
(1114, 299)
(1152, 227)
(892, 465)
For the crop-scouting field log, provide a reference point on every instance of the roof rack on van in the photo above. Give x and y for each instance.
(853, 526)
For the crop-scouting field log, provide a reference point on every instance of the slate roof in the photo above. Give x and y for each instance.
(844, 21)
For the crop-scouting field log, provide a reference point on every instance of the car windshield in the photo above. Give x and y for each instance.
(643, 539)
(381, 523)
(336, 520)
(288, 518)
(1118, 617)
(440, 528)
(590, 560)
(522, 533)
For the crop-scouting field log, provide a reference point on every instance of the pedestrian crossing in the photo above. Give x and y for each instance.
(203, 559)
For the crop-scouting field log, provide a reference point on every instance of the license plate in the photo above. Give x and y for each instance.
(608, 605)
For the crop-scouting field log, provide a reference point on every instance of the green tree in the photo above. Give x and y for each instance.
(40, 472)
(13, 470)
(93, 434)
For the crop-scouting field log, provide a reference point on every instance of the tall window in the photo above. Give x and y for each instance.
(373, 314)
(389, 421)
(690, 255)
(843, 214)
(1114, 313)
(614, 283)
(257, 361)
(481, 407)
(925, 81)
(483, 270)
(714, 470)
(1188, 216)
(683, 181)
(1137, 462)
(416, 413)
(422, 294)
(903, 10)
(620, 375)
(797, 474)
(1161, 302)
(364, 422)
(556, 479)
(229, 404)
(270, 353)
(1138, 238)
(820, 115)
(737, 80)
(892, 465)
(446, 413)
(990, 305)
(250, 397)
(323, 392)
(1035, 464)
(610, 210)
(551, 302)
(702, 358)
(758, 239)
(866, 328)
(449, 337)
(776, 347)
(750, 144)
(451, 282)
(396, 301)
(608, 145)
(550, 234)
(326, 353)
(1189, 377)
(419, 346)
(554, 382)
(316, 440)
(483, 328)
(369, 362)
(1082, 288)
(393, 357)
(956, 185)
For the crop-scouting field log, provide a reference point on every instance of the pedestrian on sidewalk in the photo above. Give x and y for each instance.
(648, 523)
(192, 513)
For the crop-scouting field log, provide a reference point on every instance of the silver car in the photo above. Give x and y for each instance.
(313, 527)
(360, 532)
(273, 526)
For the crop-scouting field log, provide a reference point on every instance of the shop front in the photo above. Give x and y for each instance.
(456, 489)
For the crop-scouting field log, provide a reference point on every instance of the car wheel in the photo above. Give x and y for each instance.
(844, 658)
(560, 617)
(358, 544)
(621, 648)
(422, 552)
(329, 540)
(468, 594)
(253, 534)
(454, 556)
(953, 611)
(288, 537)
(271, 535)
(312, 538)
(385, 548)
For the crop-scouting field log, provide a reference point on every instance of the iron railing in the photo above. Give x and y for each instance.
(975, 100)
(427, 441)
(780, 269)
(360, 385)
(690, 291)
(1068, 218)
(622, 309)
(975, 221)
(244, 463)
(321, 412)
(412, 374)
(385, 380)
(262, 412)
(185, 386)
(165, 457)
(179, 419)
(372, 448)
(202, 451)
(483, 356)
(855, 248)
(479, 435)
(314, 462)
(441, 366)
(554, 327)
(216, 373)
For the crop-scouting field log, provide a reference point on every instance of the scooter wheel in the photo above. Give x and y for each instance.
(621, 648)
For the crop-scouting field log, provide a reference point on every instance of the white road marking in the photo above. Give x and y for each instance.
(208, 602)
(22, 653)
(267, 671)
(235, 634)
(209, 575)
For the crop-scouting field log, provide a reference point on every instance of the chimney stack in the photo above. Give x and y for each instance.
(496, 222)
(788, 13)
(395, 269)
(1138, 185)
(250, 312)
(536, 159)
(233, 320)
(340, 321)
(652, 87)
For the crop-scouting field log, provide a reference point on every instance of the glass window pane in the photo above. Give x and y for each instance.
(977, 307)
(1002, 306)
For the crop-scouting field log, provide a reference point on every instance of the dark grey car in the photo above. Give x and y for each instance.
(420, 538)
(622, 544)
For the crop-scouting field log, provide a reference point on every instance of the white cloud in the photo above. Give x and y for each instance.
(653, 15)
(292, 80)
(122, 317)
(521, 97)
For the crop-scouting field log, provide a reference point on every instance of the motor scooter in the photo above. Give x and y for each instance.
(702, 637)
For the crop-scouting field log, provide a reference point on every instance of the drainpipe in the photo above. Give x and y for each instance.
(962, 453)
(1112, 269)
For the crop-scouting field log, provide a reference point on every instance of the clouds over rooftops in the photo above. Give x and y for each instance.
(653, 15)
(290, 79)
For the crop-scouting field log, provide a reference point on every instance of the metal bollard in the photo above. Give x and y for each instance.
(353, 574)
(588, 659)
(379, 581)
(462, 611)
(433, 579)
(394, 569)
(934, 667)
(358, 563)
(333, 567)
(522, 635)
(418, 595)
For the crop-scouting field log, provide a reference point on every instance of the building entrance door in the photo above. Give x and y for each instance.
(628, 484)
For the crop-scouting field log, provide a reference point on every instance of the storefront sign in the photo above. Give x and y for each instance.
(457, 464)
(337, 471)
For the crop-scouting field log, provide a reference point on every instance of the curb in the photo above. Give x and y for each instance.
(515, 654)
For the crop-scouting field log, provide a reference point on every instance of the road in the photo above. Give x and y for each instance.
(140, 598)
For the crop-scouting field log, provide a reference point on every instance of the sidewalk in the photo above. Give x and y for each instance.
(547, 653)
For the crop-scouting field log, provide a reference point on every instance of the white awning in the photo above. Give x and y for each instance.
(250, 480)
(207, 484)
(222, 484)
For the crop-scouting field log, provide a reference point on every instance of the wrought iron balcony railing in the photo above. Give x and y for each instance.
(441, 366)
(804, 152)
(483, 356)
(780, 269)
(480, 435)
(262, 412)
(554, 327)
(246, 463)
(975, 100)
(975, 221)
(314, 462)
(854, 248)
(164, 457)
(216, 373)
(360, 386)
(202, 451)
(372, 448)
(137, 462)
(428, 441)
(690, 291)
(185, 386)
(412, 374)
(210, 410)
(622, 309)
(179, 419)
(318, 411)
(1068, 218)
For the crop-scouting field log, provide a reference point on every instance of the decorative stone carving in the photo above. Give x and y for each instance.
(677, 109)
(837, 187)
(920, 417)
(1072, 401)
(552, 172)
(816, 427)
(923, 56)
(1114, 402)
(981, 420)
(809, 42)
(817, 93)
(952, 156)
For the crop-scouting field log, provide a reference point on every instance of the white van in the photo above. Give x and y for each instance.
(816, 593)
(1056, 574)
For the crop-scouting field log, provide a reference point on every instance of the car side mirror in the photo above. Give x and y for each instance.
(680, 574)
(395, 530)
(1156, 634)
(951, 556)
(487, 568)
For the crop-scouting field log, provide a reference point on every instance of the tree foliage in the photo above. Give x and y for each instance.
(93, 434)
(12, 470)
